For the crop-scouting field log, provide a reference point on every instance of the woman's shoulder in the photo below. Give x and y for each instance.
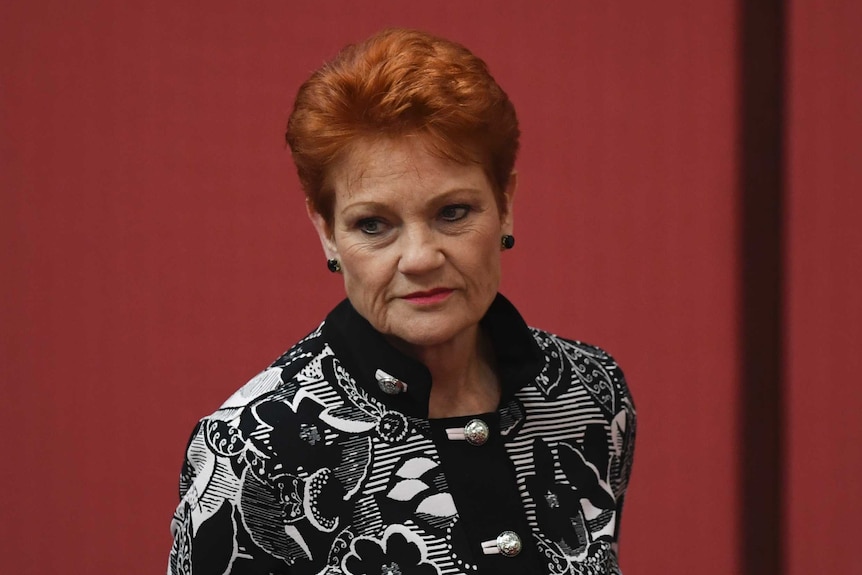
(573, 362)
(551, 341)
(275, 379)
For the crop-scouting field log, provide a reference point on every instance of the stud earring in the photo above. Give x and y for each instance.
(507, 242)
(333, 265)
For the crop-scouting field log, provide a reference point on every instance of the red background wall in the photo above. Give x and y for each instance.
(155, 254)
(823, 501)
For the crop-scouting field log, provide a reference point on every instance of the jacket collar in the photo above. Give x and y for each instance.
(365, 353)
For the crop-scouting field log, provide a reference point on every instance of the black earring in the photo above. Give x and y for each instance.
(333, 265)
(507, 242)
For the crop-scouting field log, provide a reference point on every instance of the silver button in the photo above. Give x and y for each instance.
(476, 432)
(509, 543)
(388, 384)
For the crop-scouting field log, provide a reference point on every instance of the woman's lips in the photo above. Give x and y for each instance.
(428, 297)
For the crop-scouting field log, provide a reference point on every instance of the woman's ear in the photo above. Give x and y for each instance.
(507, 219)
(324, 231)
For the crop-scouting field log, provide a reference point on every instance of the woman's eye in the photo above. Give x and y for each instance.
(454, 213)
(370, 226)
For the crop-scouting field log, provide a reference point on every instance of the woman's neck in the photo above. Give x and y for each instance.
(463, 378)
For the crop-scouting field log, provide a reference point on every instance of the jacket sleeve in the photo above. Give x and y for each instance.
(208, 532)
(623, 433)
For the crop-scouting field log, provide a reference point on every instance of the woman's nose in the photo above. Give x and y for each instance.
(420, 251)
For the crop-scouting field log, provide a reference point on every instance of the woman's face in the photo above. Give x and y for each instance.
(418, 238)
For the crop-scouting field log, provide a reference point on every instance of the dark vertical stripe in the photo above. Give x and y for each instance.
(761, 52)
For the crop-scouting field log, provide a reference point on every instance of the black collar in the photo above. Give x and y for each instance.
(364, 351)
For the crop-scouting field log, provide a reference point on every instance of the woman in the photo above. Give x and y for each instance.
(423, 427)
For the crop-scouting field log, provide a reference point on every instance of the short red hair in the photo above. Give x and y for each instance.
(398, 83)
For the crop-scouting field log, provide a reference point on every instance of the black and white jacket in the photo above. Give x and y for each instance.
(327, 463)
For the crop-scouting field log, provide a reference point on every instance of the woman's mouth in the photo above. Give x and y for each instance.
(435, 295)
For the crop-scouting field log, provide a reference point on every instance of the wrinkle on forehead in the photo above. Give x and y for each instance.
(380, 159)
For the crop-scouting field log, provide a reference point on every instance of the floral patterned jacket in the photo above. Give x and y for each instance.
(327, 463)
